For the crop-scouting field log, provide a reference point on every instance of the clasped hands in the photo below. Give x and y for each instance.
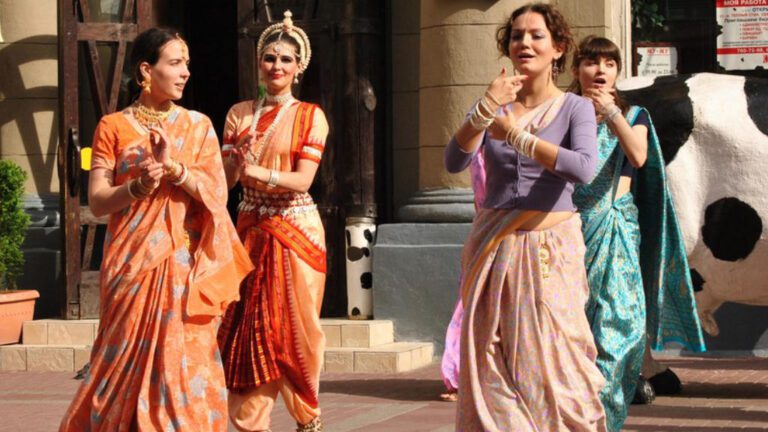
(250, 172)
(159, 164)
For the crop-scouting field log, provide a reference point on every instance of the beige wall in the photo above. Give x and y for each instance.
(29, 90)
(457, 59)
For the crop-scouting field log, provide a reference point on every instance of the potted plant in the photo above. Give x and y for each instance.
(16, 306)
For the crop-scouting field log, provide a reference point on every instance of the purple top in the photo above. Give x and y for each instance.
(514, 181)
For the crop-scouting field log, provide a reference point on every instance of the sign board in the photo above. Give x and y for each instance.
(743, 43)
(654, 59)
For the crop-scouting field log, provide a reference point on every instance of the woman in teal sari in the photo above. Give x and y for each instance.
(634, 286)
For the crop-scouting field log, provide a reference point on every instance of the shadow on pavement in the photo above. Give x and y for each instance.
(393, 389)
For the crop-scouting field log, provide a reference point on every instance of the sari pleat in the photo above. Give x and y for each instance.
(527, 357)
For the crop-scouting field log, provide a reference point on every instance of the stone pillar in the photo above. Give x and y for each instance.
(610, 19)
(29, 90)
(28, 134)
(405, 43)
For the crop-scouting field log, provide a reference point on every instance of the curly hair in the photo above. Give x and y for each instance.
(556, 24)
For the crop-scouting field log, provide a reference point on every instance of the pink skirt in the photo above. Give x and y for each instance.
(527, 352)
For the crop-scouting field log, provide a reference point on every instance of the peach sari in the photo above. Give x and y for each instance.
(171, 266)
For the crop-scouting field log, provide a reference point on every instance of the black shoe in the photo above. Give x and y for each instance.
(666, 383)
(644, 394)
(83, 372)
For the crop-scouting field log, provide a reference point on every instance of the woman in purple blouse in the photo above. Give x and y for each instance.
(527, 352)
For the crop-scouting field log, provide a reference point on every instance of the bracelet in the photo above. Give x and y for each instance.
(522, 141)
(183, 176)
(610, 112)
(129, 185)
(477, 119)
(173, 171)
(493, 99)
(137, 190)
(274, 176)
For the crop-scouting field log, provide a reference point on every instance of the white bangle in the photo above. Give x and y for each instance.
(130, 192)
(274, 176)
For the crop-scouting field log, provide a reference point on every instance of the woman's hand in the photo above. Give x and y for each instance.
(503, 89)
(151, 173)
(161, 144)
(602, 99)
(252, 174)
(502, 124)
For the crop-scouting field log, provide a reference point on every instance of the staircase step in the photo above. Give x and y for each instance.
(351, 347)
(60, 332)
(43, 358)
(388, 358)
(344, 333)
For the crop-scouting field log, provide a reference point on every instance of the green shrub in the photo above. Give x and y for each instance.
(13, 223)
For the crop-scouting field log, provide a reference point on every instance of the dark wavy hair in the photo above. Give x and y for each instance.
(146, 48)
(556, 24)
(594, 48)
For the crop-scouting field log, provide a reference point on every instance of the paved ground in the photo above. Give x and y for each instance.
(719, 395)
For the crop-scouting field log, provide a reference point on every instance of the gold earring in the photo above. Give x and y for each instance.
(146, 85)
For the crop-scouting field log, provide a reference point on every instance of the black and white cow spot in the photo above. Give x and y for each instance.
(368, 235)
(731, 229)
(671, 109)
(757, 102)
(355, 253)
(366, 280)
(697, 281)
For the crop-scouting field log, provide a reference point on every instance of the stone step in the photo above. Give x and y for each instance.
(387, 358)
(383, 359)
(339, 333)
(59, 332)
(43, 358)
(344, 333)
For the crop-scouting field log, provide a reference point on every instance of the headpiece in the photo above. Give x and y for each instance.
(286, 28)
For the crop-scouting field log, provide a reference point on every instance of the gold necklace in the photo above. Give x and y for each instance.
(148, 117)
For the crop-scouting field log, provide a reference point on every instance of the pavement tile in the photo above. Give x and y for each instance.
(719, 394)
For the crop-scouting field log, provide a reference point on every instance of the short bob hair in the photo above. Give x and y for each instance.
(594, 48)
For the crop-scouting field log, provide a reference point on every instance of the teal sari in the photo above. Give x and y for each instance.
(630, 279)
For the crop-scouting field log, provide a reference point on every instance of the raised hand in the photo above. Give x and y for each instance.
(151, 173)
(502, 124)
(602, 99)
(503, 89)
(161, 144)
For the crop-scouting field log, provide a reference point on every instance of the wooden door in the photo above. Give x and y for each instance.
(94, 40)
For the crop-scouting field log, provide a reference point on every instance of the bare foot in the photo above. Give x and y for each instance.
(450, 396)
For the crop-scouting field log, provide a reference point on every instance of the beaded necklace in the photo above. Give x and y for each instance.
(148, 117)
(250, 157)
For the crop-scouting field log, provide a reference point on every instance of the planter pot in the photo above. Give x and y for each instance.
(15, 308)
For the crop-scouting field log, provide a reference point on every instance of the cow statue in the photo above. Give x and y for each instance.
(714, 138)
(713, 131)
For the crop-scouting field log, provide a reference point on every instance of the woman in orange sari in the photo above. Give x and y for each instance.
(271, 341)
(172, 259)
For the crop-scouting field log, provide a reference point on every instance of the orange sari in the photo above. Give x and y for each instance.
(171, 266)
(274, 332)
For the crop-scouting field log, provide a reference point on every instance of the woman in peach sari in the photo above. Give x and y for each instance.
(172, 259)
(271, 341)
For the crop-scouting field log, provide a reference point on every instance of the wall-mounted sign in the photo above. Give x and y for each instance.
(743, 43)
(654, 59)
